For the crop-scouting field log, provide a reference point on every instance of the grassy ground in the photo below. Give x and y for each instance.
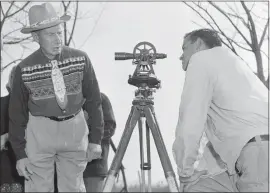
(136, 188)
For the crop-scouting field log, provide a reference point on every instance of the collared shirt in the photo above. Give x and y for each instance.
(224, 98)
(33, 93)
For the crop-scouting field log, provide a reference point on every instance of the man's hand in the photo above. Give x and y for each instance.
(3, 140)
(186, 182)
(93, 152)
(23, 169)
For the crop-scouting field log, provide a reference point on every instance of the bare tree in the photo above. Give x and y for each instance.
(68, 35)
(16, 13)
(245, 31)
(9, 14)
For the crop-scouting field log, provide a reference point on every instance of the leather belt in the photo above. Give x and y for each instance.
(263, 138)
(63, 118)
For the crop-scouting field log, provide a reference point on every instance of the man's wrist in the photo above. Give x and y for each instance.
(185, 174)
(4, 137)
(94, 145)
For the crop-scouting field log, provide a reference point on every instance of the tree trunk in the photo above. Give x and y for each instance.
(258, 57)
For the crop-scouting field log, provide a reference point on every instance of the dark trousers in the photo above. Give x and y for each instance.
(9, 177)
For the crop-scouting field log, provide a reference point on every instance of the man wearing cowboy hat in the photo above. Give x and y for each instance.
(47, 124)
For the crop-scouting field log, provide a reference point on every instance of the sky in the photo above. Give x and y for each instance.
(120, 27)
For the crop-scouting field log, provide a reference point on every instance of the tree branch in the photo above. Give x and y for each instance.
(199, 14)
(5, 15)
(18, 20)
(236, 43)
(17, 60)
(221, 11)
(9, 8)
(17, 40)
(68, 4)
(221, 32)
(205, 21)
(264, 32)
(251, 7)
(72, 40)
(266, 55)
(74, 22)
(2, 10)
(20, 9)
(64, 5)
(14, 61)
(95, 25)
(239, 17)
(11, 32)
(236, 15)
(258, 16)
(65, 25)
(253, 32)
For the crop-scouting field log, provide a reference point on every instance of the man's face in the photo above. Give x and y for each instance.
(189, 48)
(51, 40)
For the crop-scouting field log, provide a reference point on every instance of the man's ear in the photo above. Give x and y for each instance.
(35, 37)
(200, 45)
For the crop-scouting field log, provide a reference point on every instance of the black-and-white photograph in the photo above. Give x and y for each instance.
(120, 96)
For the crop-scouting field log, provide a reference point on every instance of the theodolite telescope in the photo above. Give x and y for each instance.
(144, 56)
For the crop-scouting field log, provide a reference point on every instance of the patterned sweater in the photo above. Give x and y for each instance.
(33, 92)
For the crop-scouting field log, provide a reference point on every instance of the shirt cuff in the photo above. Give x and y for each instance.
(186, 173)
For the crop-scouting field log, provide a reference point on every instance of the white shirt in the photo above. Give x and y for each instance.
(224, 98)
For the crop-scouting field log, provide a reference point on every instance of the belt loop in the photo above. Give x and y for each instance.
(258, 139)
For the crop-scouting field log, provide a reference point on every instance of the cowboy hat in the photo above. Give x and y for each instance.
(43, 16)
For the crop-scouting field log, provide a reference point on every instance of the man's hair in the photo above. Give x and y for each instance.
(210, 37)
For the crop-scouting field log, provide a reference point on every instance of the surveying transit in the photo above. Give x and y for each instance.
(142, 107)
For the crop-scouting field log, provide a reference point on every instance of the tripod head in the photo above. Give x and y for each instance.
(144, 56)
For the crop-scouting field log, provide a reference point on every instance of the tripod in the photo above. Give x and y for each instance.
(143, 106)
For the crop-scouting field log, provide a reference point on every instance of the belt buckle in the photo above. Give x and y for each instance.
(64, 118)
(67, 117)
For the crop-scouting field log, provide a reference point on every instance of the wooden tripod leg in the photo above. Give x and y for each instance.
(161, 149)
(117, 160)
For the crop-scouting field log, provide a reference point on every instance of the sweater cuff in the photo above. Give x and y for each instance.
(94, 140)
(21, 155)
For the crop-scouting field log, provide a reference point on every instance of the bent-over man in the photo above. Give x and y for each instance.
(225, 99)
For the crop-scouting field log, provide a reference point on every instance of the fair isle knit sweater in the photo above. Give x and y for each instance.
(33, 92)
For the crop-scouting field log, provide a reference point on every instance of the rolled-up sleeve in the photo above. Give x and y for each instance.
(18, 115)
(93, 107)
(195, 102)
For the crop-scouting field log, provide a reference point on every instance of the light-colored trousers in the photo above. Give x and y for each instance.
(64, 143)
(253, 168)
